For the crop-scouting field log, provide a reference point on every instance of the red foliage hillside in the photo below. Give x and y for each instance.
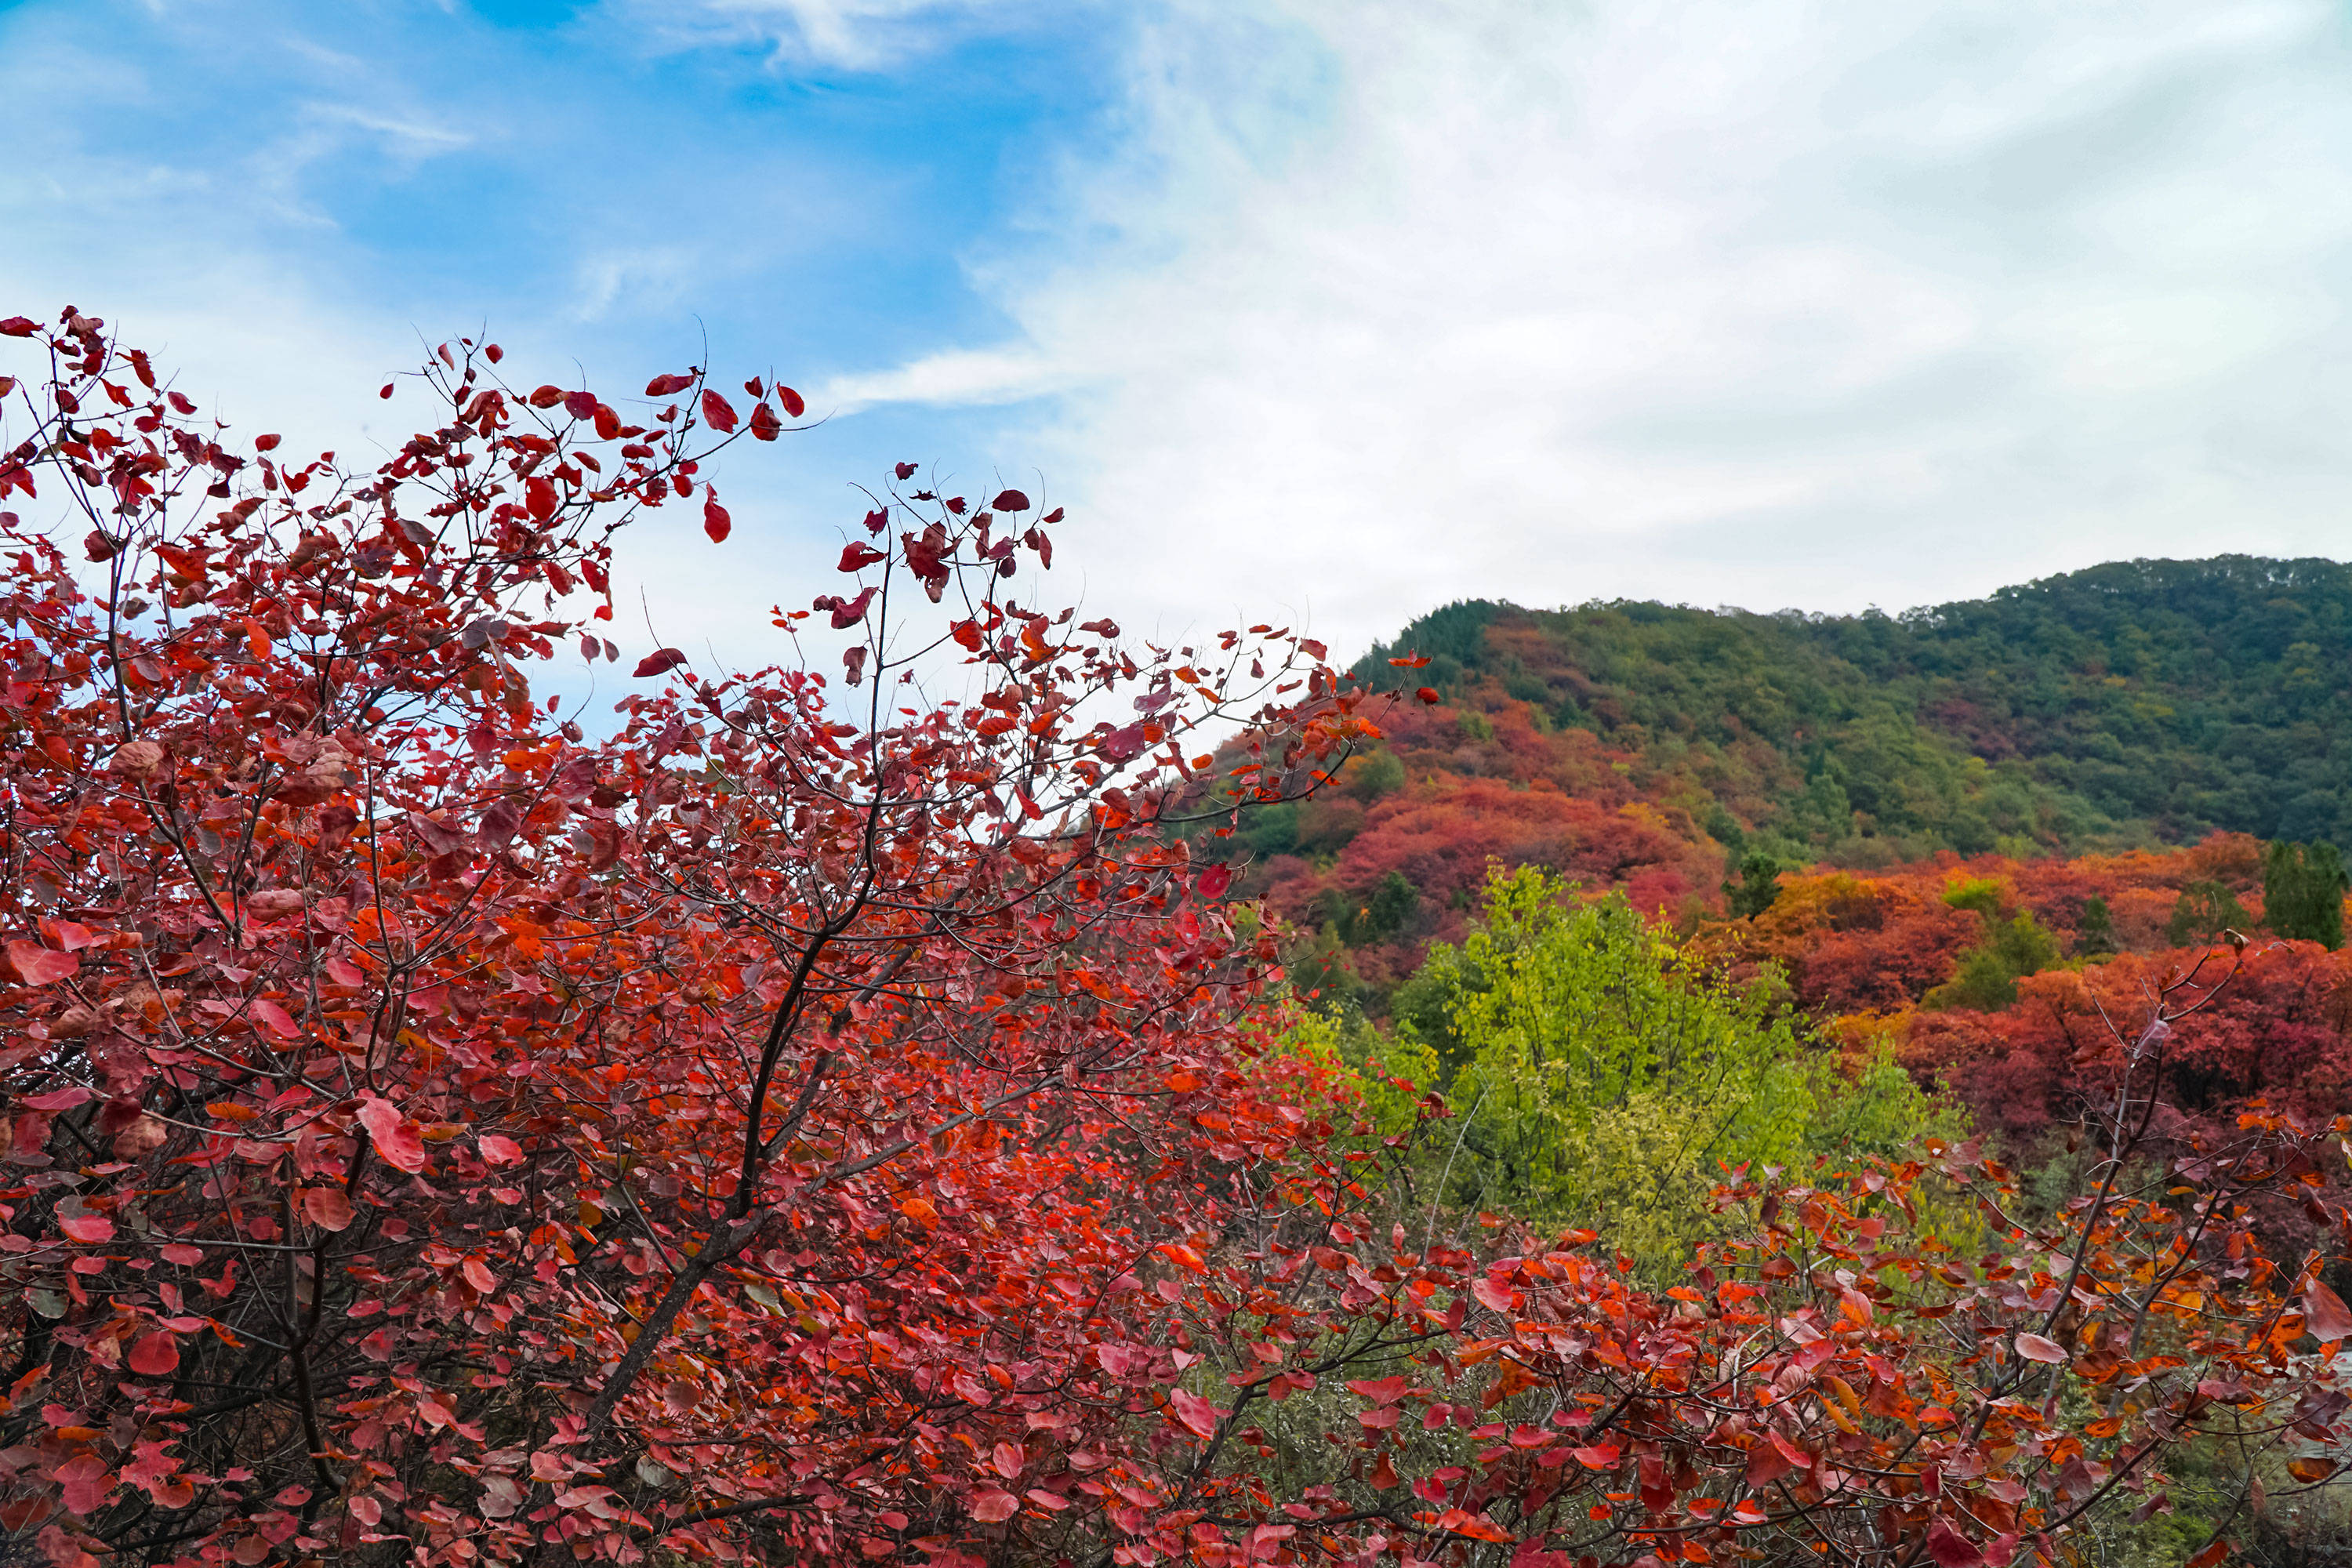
(1452, 790)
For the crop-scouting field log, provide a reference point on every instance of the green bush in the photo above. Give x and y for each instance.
(2303, 892)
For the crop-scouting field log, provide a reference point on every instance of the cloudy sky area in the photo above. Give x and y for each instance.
(1322, 311)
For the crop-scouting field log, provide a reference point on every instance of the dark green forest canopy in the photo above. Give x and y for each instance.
(2135, 702)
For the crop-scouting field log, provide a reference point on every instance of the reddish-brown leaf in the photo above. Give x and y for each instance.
(2323, 1314)
(327, 1207)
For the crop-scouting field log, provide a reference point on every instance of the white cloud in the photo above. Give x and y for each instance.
(856, 34)
(954, 376)
(1801, 303)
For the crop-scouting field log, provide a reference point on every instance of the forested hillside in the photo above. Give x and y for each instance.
(1652, 747)
(2136, 700)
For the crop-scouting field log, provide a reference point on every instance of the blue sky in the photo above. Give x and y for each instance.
(1324, 311)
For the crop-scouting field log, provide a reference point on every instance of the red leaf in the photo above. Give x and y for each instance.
(2323, 1314)
(87, 1226)
(580, 404)
(387, 390)
(1215, 880)
(717, 411)
(668, 386)
(2216, 1551)
(1196, 1412)
(499, 1151)
(395, 1137)
(792, 401)
(18, 327)
(274, 1018)
(905, 471)
(765, 425)
(857, 555)
(1427, 694)
(847, 613)
(477, 1274)
(84, 1481)
(155, 1356)
(994, 1506)
(1492, 1293)
(72, 936)
(327, 1207)
(36, 965)
(1598, 1457)
(1010, 500)
(2034, 1347)
(715, 520)
(1766, 1464)
(1009, 1460)
(549, 396)
(661, 661)
(1950, 1548)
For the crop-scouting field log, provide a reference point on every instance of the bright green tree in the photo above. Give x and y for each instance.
(2014, 946)
(1598, 1078)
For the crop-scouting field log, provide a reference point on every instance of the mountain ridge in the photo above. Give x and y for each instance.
(2244, 653)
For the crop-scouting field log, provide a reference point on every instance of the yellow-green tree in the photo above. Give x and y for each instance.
(1598, 1078)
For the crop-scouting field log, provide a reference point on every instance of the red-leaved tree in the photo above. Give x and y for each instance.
(436, 1135)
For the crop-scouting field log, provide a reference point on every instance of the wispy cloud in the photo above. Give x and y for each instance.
(412, 136)
(1795, 303)
(856, 34)
(955, 376)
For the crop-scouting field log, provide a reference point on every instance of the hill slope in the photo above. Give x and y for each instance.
(1640, 745)
(2143, 698)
